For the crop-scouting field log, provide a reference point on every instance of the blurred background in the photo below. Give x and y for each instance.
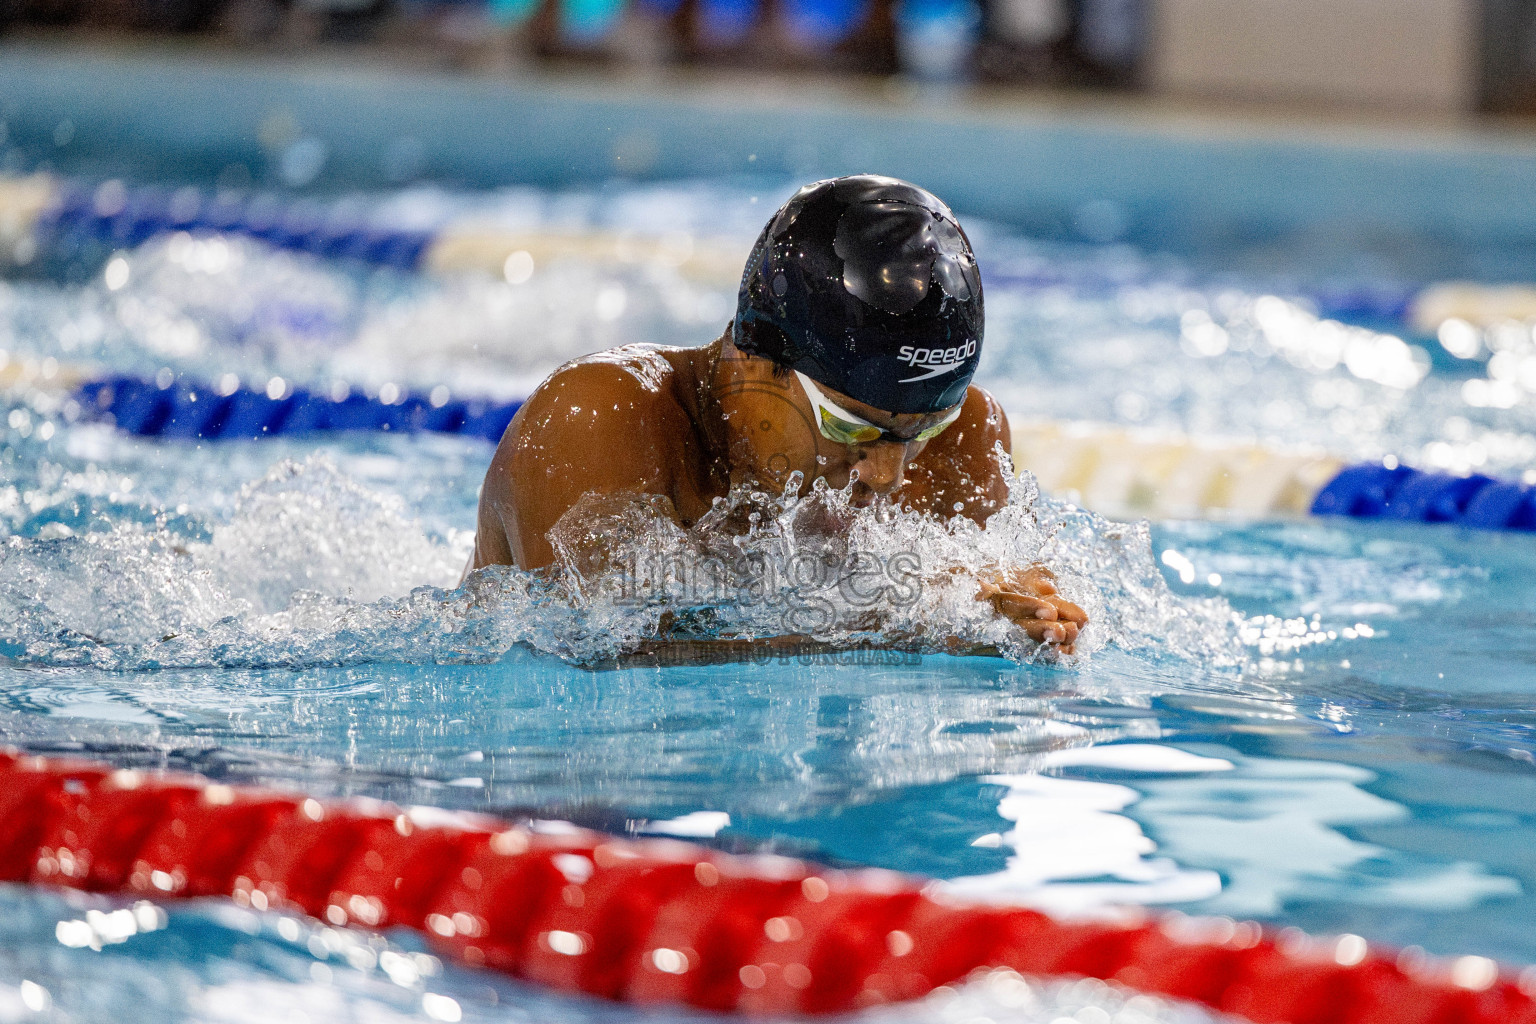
(1439, 56)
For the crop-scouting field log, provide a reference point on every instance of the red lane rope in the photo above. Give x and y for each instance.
(661, 921)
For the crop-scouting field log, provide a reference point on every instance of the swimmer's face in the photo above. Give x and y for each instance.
(772, 424)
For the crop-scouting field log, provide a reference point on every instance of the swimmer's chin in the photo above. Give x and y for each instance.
(862, 495)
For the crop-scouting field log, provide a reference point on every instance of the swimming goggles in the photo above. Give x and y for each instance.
(840, 425)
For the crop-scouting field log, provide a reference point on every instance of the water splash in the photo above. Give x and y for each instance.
(305, 545)
(311, 567)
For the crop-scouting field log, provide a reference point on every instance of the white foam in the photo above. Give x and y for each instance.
(694, 825)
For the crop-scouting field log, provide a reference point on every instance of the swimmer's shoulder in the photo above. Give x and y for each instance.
(607, 421)
(627, 388)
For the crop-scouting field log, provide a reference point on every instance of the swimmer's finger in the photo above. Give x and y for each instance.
(1037, 579)
(1055, 652)
(1022, 606)
(1066, 610)
(1039, 572)
(1043, 632)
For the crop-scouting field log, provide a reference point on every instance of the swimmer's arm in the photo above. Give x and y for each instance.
(590, 428)
(728, 649)
(1027, 596)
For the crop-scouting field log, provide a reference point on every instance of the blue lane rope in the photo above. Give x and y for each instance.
(192, 411)
(197, 412)
(337, 232)
(1374, 491)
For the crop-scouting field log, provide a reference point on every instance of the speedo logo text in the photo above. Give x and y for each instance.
(935, 360)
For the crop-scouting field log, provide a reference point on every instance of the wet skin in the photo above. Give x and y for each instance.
(689, 423)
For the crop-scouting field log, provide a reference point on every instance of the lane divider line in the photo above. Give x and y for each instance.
(194, 411)
(1112, 470)
(40, 213)
(1130, 474)
(668, 922)
(40, 210)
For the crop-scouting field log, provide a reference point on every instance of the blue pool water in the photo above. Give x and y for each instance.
(1326, 724)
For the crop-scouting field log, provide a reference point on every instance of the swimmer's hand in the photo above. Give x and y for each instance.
(1028, 598)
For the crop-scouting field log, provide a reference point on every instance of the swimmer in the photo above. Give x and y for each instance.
(857, 330)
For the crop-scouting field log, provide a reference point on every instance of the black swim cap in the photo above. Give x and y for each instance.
(868, 285)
